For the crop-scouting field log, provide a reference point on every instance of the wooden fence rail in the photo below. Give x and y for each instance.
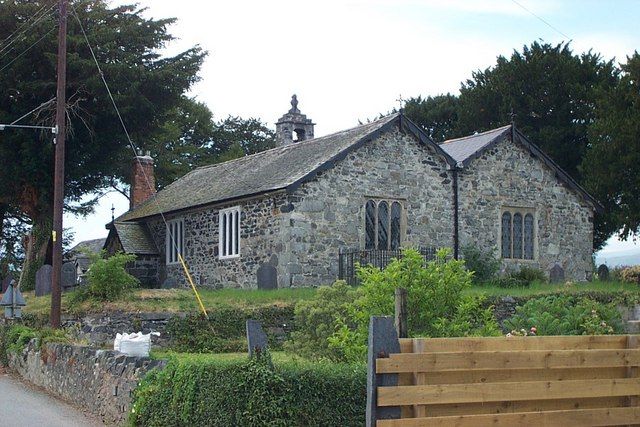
(502, 381)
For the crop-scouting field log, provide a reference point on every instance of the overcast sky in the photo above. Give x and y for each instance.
(349, 60)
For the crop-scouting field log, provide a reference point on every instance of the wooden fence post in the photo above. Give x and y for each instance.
(383, 340)
(401, 313)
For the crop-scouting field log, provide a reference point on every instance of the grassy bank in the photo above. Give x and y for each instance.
(539, 288)
(174, 300)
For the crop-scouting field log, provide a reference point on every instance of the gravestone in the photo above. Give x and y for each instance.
(267, 277)
(43, 280)
(603, 272)
(69, 274)
(556, 274)
(169, 283)
(5, 282)
(256, 338)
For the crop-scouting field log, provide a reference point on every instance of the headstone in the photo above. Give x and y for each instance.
(43, 280)
(556, 274)
(69, 274)
(169, 283)
(5, 282)
(256, 338)
(603, 272)
(267, 277)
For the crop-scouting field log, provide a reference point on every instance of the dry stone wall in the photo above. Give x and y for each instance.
(99, 381)
(507, 175)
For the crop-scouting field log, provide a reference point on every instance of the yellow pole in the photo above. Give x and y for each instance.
(193, 286)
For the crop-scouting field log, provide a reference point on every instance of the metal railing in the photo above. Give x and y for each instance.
(348, 258)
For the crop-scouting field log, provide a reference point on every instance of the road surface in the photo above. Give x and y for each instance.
(22, 405)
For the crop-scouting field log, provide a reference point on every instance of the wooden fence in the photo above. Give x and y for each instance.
(503, 381)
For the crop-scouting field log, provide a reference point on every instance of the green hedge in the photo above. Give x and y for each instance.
(225, 330)
(217, 391)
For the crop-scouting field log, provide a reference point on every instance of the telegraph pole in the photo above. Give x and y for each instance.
(58, 179)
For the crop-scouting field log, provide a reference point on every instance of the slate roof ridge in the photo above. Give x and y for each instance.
(475, 135)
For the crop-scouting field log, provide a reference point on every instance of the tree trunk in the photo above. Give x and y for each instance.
(36, 244)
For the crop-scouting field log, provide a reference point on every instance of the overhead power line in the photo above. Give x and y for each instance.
(27, 49)
(542, 20)
(22, 35)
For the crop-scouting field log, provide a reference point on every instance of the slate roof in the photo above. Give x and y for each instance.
(134, 238)
(463, 150)
(280, 168)
(93, 246)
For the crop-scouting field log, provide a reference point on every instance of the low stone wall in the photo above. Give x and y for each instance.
(100, 329)
(99, 381)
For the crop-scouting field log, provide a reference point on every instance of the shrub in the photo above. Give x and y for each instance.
(435, 302)
(566, 315)
(529, 275)
(485, 265)
(249, 392)
(107, 279)
(225, 330)
(631, 275)
(315, 321)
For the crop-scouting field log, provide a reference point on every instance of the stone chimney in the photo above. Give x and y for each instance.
(293, 126)
(143, 180)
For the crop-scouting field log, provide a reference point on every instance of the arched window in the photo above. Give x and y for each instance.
(396, 211)
(506, 235)
(528, 236)
(517, 235)
(383, 225)
(370, 225)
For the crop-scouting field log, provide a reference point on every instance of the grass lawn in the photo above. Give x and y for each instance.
(173, 300)
(538, 288)
(277, 356)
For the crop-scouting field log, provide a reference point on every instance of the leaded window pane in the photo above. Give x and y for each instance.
(528, 236)
(396, 210)
(506, 235)
(517, 236)
(223, 235)
(383, 225)
(370, 225)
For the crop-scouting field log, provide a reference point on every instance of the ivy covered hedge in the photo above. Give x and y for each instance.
(213, 390)
(225, 329)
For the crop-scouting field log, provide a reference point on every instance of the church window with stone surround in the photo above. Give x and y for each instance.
(517, 233)
(229, 230)
(383, 224)
(174, 240)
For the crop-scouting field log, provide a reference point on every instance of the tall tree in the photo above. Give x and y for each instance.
(437, 115)
(145, 86)
(551, 91)
(611, 166)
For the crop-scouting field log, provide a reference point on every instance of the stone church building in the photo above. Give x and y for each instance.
(279, 218)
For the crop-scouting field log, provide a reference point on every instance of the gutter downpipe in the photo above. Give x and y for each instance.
(456, 219)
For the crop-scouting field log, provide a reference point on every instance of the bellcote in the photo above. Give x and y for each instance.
(293, 126)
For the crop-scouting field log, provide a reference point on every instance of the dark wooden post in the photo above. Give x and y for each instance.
(383, 340)
(401, 313)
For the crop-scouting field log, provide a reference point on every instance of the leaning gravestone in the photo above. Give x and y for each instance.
(43, 280)
(5, 283)
(267, 277)
(69, 274)
(556, 274)
(603, 272)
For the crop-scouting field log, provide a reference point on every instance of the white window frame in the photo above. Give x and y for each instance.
(174, 236)
(229, 244)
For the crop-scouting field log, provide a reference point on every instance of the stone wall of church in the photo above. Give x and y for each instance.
(261, 243)
(329, 211)
(509, 176)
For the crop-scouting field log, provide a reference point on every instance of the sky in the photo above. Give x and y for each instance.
(350, 60)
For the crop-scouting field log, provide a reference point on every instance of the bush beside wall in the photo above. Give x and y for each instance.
(216, 391)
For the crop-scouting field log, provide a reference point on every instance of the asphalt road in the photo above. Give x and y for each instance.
(22, 405)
